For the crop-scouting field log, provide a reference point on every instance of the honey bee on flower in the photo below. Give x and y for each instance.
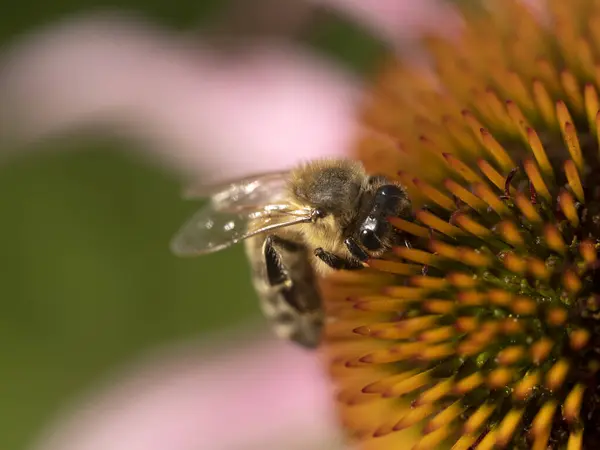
(321, 216)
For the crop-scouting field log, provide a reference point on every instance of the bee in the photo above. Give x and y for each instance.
(296, 225)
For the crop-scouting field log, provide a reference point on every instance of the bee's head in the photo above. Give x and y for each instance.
(330, 187)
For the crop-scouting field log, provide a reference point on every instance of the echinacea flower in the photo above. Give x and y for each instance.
(485, 334)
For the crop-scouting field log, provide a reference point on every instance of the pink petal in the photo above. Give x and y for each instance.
(267, 111)
(397, 20)
(240, 396)
(212, 116)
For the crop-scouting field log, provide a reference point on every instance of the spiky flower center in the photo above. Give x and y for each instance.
(488, 336)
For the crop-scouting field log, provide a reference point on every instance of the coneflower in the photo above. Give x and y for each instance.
(485, 333)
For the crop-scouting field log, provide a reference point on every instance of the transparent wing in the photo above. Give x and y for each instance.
(250, 192)
(211, 230)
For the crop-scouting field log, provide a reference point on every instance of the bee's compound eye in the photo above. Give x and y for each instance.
(369, 239)
(390, 190)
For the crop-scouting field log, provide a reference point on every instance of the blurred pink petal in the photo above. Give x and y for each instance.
(262, 394)
(265, 111)
(397, 20)
(209, 115)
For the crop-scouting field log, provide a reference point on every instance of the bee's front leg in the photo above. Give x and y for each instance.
(336, 262)
(355, 249)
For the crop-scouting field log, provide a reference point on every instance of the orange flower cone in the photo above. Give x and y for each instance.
(483, 334)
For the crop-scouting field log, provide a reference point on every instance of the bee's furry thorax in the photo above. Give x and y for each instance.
(333, 185)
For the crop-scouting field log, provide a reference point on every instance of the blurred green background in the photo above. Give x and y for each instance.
(87, 279)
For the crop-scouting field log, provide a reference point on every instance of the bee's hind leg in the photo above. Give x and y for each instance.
(336, 262)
